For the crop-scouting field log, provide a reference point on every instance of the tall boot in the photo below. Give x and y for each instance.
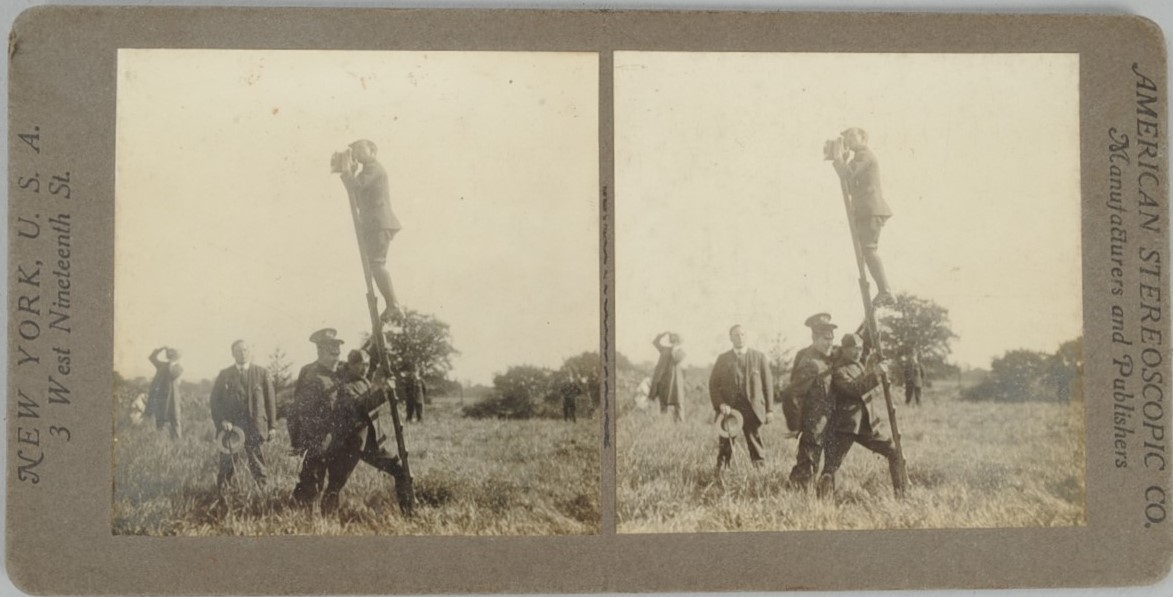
(826, 486)
(876, 267)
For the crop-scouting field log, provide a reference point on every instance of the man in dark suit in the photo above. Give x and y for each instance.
(857, 419)
(741, 381)
(810, 392)
(870, 211)
(379, 225)
(242, 397)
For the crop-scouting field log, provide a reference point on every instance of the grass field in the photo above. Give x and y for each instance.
(972, 465)
(472, 477)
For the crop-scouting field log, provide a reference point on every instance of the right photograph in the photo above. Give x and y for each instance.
(849, 291)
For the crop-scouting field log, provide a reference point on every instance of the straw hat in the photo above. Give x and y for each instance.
(231, 441)
(729, 425)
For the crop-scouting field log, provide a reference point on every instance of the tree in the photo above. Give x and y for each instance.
(781, 360)
(1066, 366)
(921, 326)
(517, 394)
(279, 367)
(424, 342)
(1021, 375)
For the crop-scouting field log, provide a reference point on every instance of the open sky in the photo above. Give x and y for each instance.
(726, 212)
(229, 224)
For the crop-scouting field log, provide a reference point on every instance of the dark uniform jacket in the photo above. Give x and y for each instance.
(808, 396)
(863, 182)
(360, 412)
(855, 409)
(373, 194)
(246, 401)
(747, 386)
(311, 414)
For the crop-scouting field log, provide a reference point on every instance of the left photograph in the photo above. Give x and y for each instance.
(356, 293)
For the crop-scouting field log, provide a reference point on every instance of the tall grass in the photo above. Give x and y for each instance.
(472, 477)
(972, 465)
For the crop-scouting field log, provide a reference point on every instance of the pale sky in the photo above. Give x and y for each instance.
(726, 212)
(230, 225)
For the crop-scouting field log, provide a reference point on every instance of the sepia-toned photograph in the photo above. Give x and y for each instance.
(848, 291)
(356, 293)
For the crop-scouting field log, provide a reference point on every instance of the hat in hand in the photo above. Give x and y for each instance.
(729, 424)
(230, 441)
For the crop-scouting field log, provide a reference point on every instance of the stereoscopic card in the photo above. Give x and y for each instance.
(378, 301)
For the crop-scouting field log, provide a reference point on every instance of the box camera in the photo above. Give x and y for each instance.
(833, 148)
(340, 161)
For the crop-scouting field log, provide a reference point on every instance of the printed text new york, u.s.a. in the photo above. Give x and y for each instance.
(43, 292)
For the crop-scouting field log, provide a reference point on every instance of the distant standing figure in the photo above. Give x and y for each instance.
(870, 210)
(163, 398)
(741, 381)
(379, 225)
(914, 379)
(415, 391)
(242, 397)
(668, 377)
(570, 402)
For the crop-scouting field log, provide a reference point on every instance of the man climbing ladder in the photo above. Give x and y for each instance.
(859, 181)
(374, 227)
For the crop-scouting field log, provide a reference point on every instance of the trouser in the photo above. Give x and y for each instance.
(665, 408)
(911, 393)
(415, 408)
(841, 443)
(175, 428)
(311, 477)
(254, 458)
(811, 443)
(342, 463)
(868, 230)
(753, 441)
(568, 412)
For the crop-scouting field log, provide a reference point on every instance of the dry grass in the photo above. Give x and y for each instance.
(972, 465)
(472, 477)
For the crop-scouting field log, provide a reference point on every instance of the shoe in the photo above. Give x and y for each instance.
(826, 486)
(884, 299)
(392, 314)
